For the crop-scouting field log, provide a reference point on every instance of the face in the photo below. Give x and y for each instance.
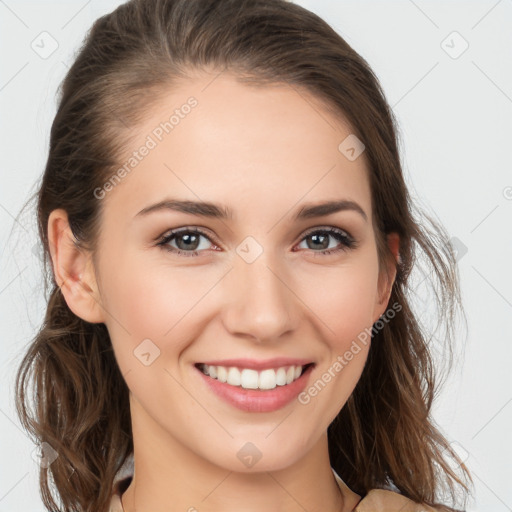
(259, 288)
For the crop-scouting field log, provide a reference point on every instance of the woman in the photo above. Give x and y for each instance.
(200, 152)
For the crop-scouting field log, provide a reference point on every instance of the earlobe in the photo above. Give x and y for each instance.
(73, 270)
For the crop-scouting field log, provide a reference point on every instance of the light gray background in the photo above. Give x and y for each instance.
(455, 118)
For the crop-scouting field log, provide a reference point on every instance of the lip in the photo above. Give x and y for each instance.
(254, 400)
(254, 364)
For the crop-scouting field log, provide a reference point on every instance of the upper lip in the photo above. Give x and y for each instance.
(254, 364)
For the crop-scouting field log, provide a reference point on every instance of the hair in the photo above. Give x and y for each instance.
(385, 434)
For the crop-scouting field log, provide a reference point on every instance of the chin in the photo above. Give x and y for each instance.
(258, 453)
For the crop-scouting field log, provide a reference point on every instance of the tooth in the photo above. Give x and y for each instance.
(281, 377)
(233, 376)
(267, 379)
(249, 379)
(222, 374)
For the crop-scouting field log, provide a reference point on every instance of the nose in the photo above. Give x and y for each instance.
(261, 304)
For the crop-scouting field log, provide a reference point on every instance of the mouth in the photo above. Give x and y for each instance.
(254, 386)
(242, 377)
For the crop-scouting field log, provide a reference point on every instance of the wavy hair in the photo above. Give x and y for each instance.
(385, 434)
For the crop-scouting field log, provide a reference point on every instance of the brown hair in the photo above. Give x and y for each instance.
(384, 436)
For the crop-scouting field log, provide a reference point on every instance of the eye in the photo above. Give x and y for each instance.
(320, 239)
(188, 241)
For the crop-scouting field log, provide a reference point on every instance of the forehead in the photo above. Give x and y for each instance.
(249, 147)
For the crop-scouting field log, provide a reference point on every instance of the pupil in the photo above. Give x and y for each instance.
(325, 242)
(190, 239)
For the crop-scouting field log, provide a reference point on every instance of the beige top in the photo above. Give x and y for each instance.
(377, 500)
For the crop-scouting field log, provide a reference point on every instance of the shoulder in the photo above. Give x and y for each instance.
(380, 500)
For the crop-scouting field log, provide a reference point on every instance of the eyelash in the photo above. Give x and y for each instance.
(344, 238)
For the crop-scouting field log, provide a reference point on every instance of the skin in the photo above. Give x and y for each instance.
(263, 152)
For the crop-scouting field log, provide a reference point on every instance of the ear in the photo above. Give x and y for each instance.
(73, 269)
(387, 276)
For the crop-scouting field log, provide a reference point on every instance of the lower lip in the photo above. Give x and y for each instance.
(254, 400)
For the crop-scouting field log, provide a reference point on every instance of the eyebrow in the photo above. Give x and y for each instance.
(217, 211)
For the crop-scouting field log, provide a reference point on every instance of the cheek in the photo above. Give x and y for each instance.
(346, 314)
(343, 299)
(148, 296)
(344, 304)
(145, 299)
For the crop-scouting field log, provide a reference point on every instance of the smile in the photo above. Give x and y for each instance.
(249, 378)
(255, 387)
